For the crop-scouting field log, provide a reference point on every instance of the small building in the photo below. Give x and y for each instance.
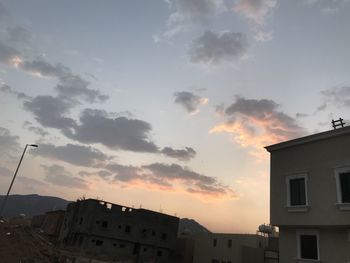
(228, 248)
(310, 197)
(95, 227)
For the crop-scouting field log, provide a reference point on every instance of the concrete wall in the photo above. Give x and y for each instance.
(205, 252)
(318, 159)
(334, 245)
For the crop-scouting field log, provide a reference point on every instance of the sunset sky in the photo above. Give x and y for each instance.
(167, 104)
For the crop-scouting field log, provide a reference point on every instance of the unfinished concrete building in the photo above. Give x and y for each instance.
(95, 227)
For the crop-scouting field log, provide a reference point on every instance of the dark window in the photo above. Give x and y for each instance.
(308, 247)
(104, 224)
(215, 261)
(99, 243)
(144, 249)
(127, 229)
(164, 236)
(97, 222)
(80, 221)
(114, 244)
(80, 241)
(345, 187)
(153, 233)
(122, 245)
(297, 191)
(215, 242)
(229, 243)
(159, 253)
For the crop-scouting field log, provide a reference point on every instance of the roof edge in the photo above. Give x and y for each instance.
(308, 138)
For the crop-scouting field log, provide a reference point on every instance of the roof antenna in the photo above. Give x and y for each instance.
(338, 123)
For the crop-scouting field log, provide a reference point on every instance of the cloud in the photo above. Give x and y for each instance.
(70, 85)
(214, 48)
(7, 89)
(9, 55)
(192, 182)
(189, 100)
(50, 111)
(57, 175)
(258, 123)
(37, 130)
(72, 153)
(5, 172)
(18, 34)
(117, 133)
(337, 96)
(181, 154)
(8, 143)
(186, 13)
(255, 10)
(169, 177)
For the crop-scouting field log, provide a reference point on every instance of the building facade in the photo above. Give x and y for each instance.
(95, 227)
(310, 197)
(228, 248)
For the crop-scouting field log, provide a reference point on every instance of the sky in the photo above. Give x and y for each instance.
(167, 104)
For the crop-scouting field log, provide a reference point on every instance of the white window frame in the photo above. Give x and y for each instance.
(297, 208)
(313, 232)
(337, 171)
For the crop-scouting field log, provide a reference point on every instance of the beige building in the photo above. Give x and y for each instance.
(228, 248)
(310, 197)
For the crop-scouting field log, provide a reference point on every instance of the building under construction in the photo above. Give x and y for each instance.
(122, 233)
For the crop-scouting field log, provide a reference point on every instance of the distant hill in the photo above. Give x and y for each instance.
(190, 227)
(32, 204)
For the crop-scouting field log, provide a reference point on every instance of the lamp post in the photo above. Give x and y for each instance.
(14, 177)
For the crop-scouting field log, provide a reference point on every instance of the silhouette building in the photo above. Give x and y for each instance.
(95, 227)
(310, 197)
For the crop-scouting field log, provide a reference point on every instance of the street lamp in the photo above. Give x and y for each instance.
(14, 177)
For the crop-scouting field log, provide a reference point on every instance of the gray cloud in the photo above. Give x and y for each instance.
(72, 153)
(338, 96)
(181, 154)
(195, 10)
(18, 34)
(50, 111)
(118, 133)
(7, 54)
(167, 176)
(213, 48)
(8, 143)
(37, 130)
(20, 95)
(192, 181)
(70, 86)
(57, 175)
(189, 100)
(258, 123)
(255, 10)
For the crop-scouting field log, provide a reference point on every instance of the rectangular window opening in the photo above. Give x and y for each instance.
(308, 247)
(297, 191)
(345, 187)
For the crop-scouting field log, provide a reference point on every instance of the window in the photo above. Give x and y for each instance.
(308, 244)
(229, 243)
(164, 236)
(104, 224)
(127, 229)
(215, 261)
(297, 193)
(99, 243)
(159, 253)
(80, 221)
(344, 179)
(122, 245)
(215, 242)
(342, 176)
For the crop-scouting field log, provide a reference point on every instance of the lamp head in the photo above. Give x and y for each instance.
(33, 145)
